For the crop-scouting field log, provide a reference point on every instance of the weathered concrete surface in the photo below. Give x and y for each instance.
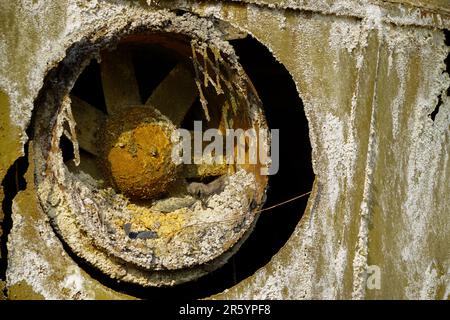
(49, 272)
(430, 13)
(368, 82)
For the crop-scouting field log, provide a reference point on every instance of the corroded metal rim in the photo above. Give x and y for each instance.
(80, 211)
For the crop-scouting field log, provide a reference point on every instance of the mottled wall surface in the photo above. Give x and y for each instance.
(369, 79)
(381, 194)
(28, 32)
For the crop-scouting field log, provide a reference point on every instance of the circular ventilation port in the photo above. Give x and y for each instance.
(106, 172)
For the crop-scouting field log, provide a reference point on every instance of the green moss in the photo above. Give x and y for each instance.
(23, 291)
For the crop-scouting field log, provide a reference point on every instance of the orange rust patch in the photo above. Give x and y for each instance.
(138, 154)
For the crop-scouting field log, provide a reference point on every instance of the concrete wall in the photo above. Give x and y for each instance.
(369, 74)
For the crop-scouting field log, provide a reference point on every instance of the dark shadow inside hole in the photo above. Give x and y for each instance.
(433, 114)
(206, 180)
(67, 149)
(284, 111)
(89, 87)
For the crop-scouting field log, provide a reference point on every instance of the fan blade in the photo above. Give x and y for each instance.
(119, 81)
(175, 94)
(89, 121)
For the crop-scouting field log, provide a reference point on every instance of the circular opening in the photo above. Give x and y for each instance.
(143, 199)
(283, 110)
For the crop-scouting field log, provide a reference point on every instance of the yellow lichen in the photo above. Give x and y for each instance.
(165, 224)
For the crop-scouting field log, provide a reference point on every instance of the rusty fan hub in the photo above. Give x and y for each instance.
(137, 152)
